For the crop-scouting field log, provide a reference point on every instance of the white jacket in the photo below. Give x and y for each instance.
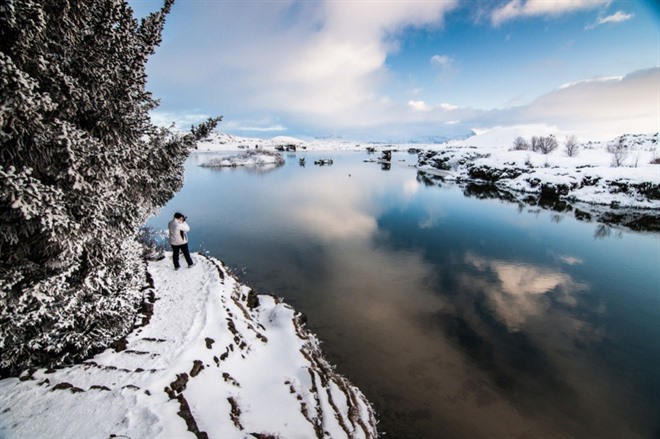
(178, 232)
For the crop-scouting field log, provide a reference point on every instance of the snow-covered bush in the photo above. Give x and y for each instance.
(571, 146)
(81, 168)
(544, 144)
(547, 144)
(520, 144)
(655, 160)
(619, 151)
(154, 243)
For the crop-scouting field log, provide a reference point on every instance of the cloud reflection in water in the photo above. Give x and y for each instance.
(521, 290)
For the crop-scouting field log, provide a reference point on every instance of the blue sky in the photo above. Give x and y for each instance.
(397, 69)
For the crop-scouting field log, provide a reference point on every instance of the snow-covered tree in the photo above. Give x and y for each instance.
(544, 144)
(547, 144)
(520, 144)
(571, 146)
(81, 168)
(619, 151)
(535, 143)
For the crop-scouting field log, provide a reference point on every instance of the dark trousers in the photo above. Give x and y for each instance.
(186, 254)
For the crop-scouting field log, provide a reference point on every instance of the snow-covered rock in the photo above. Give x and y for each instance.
(209, 358)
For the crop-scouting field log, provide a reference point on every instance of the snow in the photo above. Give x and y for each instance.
(221, 142)
(239, 369)
(589, 177)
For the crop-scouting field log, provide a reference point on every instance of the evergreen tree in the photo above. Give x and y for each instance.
(81, 168)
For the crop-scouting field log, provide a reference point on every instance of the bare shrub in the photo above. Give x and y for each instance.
(571, 146)
(619, 151)
(536, 140)
(520, 144)
(547, 144)
(655, 160)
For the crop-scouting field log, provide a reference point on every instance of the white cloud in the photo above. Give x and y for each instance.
(419, 106)
(269, 128)
(180, 120)
(324, 64)
(617, 17)
(339, 68)
(535, 8)
(423, 106)
(591, 80)
(184, 120)
(593, 109)
(610, 106)
(442, 60)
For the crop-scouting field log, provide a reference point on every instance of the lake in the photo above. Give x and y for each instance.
(458, 317)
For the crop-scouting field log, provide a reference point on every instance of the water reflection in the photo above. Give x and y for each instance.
(457, 316)
(522, 291)
(605, 231)
(540, 342)
(634, 219)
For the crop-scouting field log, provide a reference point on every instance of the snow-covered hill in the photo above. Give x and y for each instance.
(209, 358)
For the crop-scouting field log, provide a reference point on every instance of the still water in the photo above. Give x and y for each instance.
(457, 317)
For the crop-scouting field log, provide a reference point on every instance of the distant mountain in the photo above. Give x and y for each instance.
(420, 139)
(440, 138)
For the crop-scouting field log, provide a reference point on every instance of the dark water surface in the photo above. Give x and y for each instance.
(457, 317)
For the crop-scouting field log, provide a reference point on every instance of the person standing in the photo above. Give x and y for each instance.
(179, 229)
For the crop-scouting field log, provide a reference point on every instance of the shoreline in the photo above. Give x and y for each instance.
(208, 358)
(587, 184)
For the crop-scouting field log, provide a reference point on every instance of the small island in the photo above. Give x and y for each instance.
(259, 159)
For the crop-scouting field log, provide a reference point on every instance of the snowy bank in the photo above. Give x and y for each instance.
(591, 177)
(209, 358)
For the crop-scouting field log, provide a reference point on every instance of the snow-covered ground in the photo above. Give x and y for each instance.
(209, 358)
(588, 177)
(218, 142)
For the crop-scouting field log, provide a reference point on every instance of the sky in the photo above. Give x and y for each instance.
(403, 70)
